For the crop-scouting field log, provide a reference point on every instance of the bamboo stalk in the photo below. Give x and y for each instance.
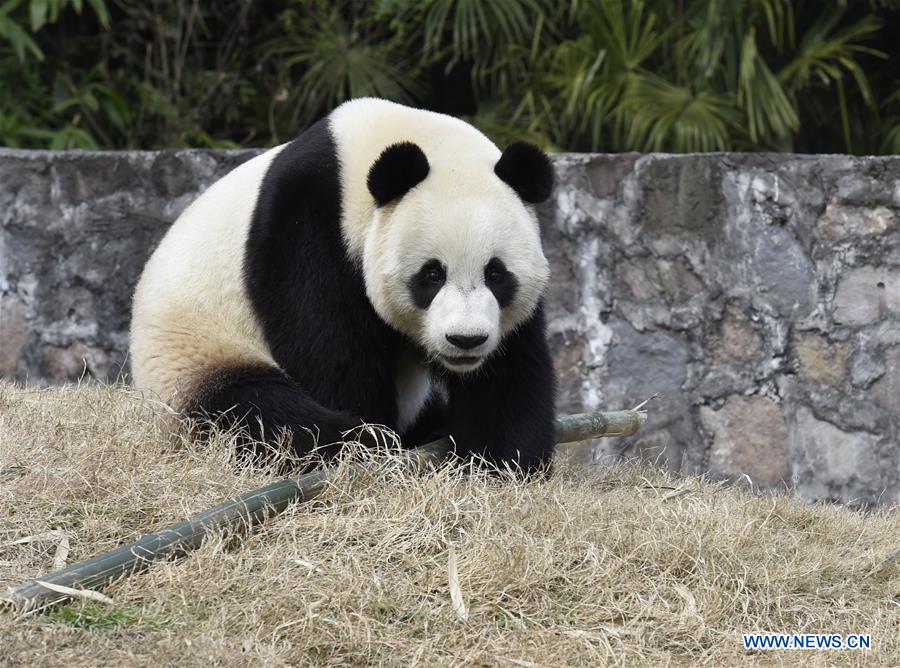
(243, 512)
(585, 426)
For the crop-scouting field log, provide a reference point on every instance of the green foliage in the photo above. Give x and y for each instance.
(40, 12)
(343, 52)
(610, 75)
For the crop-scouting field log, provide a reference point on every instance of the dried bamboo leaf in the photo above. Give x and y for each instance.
(86, 594)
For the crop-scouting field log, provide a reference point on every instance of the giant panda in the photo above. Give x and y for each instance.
(384, 267)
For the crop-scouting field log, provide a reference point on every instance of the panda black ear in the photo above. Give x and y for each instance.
(526, 169)
(399, 168)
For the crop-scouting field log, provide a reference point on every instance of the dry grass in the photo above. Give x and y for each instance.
(586, 569)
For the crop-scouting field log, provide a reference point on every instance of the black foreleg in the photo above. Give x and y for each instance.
(265, 402)
(505, 410)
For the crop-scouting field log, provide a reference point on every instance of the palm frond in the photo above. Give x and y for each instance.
(475, 26)
(629, 37)
(660, 116)
(766, 104)
(327, 57)
(822, 54)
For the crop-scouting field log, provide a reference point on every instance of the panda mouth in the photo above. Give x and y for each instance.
(461, 360)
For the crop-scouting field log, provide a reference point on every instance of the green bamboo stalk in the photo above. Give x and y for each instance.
(244, 512)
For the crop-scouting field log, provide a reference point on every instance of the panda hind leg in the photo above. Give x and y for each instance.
(263, 402)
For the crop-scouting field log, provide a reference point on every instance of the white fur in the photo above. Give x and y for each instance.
(460, 311)
(190, 313)
(413, 388)
(363, 128)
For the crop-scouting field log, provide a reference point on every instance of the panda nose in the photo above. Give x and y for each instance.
(466, 342)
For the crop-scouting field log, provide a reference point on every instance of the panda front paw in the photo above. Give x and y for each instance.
(322, 444)
(372, 437)
(516, 466)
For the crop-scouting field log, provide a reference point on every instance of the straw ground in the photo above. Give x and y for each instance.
(623, 566)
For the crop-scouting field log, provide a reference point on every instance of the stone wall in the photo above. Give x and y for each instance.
(758, 295)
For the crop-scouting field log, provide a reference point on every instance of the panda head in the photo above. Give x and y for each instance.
(453, 255)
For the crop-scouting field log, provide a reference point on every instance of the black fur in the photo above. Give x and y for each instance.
(500, 281)
(264, 401)
(526, 169)
(310, 300)
(431, 422)
(398, 169)
(426, 283)
(504, 411)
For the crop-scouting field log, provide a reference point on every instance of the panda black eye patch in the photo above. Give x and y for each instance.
(500, 281)
(427, 282)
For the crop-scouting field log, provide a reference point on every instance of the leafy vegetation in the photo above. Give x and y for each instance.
(100, 617)
(608, 75)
